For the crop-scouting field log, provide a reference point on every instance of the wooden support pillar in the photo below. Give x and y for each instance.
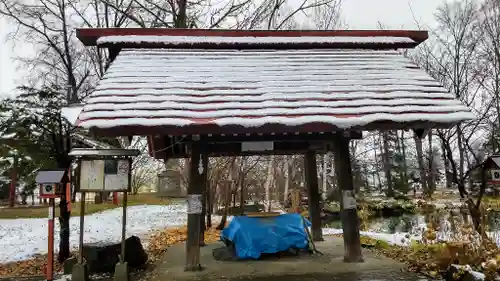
(195, 198)
(311, 175)
(349, 213)
(204, 202)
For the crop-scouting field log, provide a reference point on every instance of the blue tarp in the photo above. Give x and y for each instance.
(253, 236)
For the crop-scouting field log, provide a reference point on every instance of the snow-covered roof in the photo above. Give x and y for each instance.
(71, 113)
(180, 90)
(495, 159)
(91, 142)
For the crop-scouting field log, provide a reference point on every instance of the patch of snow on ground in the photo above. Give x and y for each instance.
(467, 268)
(22, 238)
(400, 239)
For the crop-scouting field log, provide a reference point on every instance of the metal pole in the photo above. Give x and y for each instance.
(82, 225)
(124, 226)
(50, 261)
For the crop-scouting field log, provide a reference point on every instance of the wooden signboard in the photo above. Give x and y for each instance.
(104, 175)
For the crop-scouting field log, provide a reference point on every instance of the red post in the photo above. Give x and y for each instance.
(115, 198)
(50, 258)
(13, 183)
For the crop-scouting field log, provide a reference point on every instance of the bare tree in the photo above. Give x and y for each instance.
(145, 169)
(239, 14)
(453, 60)
(489, 66)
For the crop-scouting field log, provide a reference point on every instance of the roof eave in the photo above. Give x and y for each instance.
(89, 36)
(275, 46)
(275, 128)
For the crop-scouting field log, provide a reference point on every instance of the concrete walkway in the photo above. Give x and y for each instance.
(305, 267)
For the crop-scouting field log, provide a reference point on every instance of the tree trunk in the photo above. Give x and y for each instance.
(377, 171)
(460, 152)
(210, 205)
(181, 20)
(73, 195)
(446, 163)
(64, 217)
(399, 149)
(234, 195)
(420, 160)
(227, 191)
(475, 209)
(287, 179)
(324, 173)
(267, 186)
(242, 195)
(403, 150)
(387, 164)
(431, 177)
(223, 220)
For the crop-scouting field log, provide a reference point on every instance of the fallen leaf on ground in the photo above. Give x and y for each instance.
(161, 240)
(32, 267)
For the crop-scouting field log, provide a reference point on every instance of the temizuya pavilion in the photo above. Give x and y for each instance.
(200, 93)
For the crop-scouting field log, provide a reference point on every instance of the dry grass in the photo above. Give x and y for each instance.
(448, 195)
(491, 202)
(464, 246)
(40, 211)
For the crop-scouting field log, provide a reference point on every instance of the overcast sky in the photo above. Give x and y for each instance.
(357, 14)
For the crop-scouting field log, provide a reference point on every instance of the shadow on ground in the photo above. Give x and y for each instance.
(348, 276)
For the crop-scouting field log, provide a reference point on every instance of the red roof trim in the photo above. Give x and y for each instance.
(89, 36)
